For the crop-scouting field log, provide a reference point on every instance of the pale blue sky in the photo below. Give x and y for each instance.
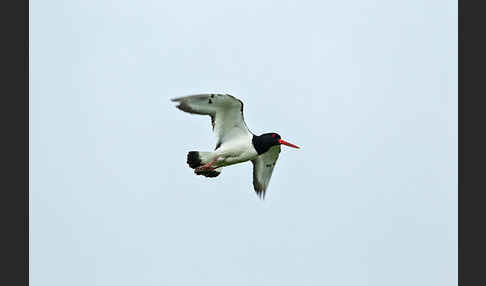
(367, 88)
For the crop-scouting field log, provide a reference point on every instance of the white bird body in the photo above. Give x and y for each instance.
(235, 143)
(235, 151)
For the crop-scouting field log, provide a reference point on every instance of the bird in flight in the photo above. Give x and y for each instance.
(235, 143)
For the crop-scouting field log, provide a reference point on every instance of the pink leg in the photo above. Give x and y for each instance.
(206, 167)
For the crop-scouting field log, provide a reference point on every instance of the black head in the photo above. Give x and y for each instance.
(265, 141)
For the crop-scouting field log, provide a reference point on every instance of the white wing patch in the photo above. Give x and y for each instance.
(226, 113)
(263, 167)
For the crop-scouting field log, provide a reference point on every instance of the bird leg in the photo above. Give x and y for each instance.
(206, 167)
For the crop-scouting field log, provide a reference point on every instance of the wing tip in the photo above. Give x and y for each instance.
(180, 98)
(260, 191)
(261, 195)
(187, 108)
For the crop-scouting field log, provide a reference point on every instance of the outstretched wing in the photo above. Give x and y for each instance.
(226, 113)
(262, 169)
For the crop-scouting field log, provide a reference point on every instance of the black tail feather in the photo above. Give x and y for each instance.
(209, 174)
(193, 159)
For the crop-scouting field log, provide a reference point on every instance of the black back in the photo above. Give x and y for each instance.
(265, 141)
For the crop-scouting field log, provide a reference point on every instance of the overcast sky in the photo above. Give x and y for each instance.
(368, 89)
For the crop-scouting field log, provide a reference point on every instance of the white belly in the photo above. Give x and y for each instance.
(236, 151)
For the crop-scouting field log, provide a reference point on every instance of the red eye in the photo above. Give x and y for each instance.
(273, 135)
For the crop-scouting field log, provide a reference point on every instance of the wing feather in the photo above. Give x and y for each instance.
(263, 167)
(226, 112)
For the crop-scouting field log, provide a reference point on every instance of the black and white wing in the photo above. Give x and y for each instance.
(226, 113)
(262, 169)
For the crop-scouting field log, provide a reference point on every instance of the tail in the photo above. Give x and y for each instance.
(196, 159)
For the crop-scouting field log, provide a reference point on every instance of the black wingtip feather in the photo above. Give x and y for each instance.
(259, 190)
(261, 195)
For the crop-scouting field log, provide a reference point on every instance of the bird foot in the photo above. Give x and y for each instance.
(205, 168)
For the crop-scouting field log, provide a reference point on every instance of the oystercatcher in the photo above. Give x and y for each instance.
(235, 143)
